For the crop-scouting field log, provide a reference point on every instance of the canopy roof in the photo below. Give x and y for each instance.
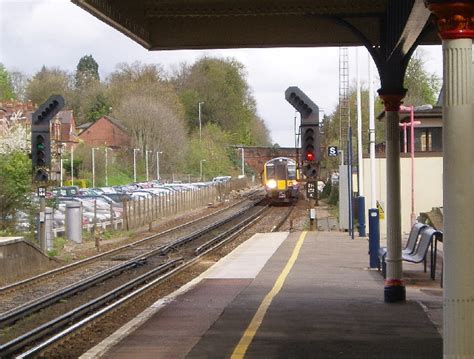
(205, 24)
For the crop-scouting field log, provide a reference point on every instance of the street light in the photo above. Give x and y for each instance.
(72, 165)
(158, 164)
(93, 166)
(135, 150)
(200, 168)
(200, 128)
(243, 162)
(146, 162)
(106, 167)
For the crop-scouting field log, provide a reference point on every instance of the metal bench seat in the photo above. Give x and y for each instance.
(410, 246)
(426, 241)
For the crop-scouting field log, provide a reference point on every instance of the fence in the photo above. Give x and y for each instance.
(140, 212)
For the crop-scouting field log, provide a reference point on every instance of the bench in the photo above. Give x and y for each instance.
(410, 246)
(426, 242)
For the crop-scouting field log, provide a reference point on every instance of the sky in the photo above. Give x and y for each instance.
(57, 33)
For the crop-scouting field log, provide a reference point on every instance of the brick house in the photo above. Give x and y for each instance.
(106, 131)
(66, 131)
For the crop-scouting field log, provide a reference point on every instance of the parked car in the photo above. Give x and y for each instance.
(66, 191)
(221, 179)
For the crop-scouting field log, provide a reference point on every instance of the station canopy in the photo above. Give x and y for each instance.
(207, 24)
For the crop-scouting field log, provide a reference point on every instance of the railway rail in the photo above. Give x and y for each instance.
(21, 293)
(175, 257)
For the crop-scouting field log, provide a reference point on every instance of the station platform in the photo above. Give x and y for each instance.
(283, 295)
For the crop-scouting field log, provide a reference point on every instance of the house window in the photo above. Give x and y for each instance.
(427, 139)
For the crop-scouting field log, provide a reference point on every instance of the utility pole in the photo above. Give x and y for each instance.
(72, 165)
(243, 162)
(106, 172)
(158, 164)
(135, 150)
(200, 126)
(146, 163)
(93, 167)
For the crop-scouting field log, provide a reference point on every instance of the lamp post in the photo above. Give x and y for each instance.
(243, 162)
(200, 168)
(200, 127)
(146, 163)
(412, 125)
(158, 153)
(93, 166)
(106, 164)
(135, 150)
(72, 165)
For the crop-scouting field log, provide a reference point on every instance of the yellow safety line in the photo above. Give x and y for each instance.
(247, 337)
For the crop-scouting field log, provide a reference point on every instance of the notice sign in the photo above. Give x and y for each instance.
(332, 151)
(41, 191)
(311, 190)
(381, 211)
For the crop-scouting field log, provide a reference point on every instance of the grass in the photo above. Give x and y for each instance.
(58, 245)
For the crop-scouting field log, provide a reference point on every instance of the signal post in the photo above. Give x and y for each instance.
(41, 155)
(310, 154)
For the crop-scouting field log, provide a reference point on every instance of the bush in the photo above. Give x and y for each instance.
(334, 196)
(326, 190)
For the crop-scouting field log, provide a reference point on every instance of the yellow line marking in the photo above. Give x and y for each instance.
(247, 337)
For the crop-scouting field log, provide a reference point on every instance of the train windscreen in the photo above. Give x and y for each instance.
(280, 170)
(291, 171)
(270, 171)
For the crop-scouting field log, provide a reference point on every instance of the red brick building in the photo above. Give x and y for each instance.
(106, 131)
(64, 129)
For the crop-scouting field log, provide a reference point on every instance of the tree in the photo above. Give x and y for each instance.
(6, 86)
(19, 82)
(331, 125)
(154, 127)
(228, 102)
(214, 148)
(87, 70)
(15, 184)
(47, 82)
(89, 100)
(423, 87)
(100, 107)
(15, 138)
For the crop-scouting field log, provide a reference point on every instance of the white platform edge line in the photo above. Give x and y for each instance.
(104, 346)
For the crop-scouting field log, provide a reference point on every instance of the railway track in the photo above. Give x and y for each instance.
(173, 257)
(21, 293)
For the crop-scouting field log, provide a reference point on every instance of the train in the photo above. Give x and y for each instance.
(281, 180)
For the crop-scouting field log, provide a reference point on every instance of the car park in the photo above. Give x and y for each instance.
(221, 179)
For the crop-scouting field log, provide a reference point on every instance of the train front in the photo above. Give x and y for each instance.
(281, 182)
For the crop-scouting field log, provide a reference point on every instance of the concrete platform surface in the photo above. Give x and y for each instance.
(298, 297)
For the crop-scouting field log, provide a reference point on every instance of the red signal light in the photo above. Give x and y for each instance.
(309, 156)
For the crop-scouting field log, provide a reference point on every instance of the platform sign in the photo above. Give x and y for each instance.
(311, 190)
(381, 210)
(41, 191)
(332, 151)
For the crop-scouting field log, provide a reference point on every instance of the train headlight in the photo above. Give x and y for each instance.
(271, 184)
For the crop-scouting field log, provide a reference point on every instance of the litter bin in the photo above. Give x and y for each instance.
(74, 222)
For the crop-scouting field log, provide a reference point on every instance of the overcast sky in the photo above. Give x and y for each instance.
(34, 33)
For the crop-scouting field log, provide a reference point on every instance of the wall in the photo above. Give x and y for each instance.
(255, 157)
(103, 132)
(20, 259)
(428, 187)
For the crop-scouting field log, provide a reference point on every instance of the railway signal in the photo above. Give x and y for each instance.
(40, 137)
(309, 129)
